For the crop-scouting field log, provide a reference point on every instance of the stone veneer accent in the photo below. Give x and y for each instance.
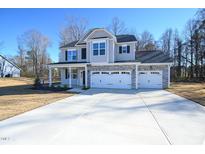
(131, 68)
(163, 68)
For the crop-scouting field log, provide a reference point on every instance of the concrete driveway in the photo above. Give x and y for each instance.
(101, 116)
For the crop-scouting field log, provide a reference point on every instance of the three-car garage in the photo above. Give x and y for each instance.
(123, 79)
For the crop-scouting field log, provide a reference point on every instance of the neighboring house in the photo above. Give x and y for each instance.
(8, 68)
(103, 60)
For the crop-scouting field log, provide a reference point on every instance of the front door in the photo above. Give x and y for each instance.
(82, 79)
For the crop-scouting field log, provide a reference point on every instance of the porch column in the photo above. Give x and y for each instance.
(70, 76)
(50, 77)
(136, 76)
(168, 76)
(86, 76)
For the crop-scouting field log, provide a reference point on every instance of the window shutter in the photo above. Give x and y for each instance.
(66, 55)
(66, 73)
(83, 53)
(120, 49)
(128, 49)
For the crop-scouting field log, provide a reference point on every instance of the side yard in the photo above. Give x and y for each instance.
(16, 96)
(189, 90)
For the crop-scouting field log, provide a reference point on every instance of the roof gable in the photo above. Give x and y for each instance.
(99, 33)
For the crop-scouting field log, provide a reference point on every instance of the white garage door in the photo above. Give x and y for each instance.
(150, 79)
(114, 79)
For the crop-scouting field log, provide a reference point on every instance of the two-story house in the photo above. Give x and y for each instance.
(103, 60)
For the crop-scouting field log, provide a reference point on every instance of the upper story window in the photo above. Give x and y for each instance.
(71, 55)
(99, 48)
(124, 49)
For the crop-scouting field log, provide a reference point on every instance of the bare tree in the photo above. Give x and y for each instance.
(73, 30)
(35, 44)
(146, 41)
(166, 41)
(189, 31)
(117, 26)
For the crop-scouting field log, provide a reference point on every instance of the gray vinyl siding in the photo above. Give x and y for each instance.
(125, 56)
(99, 33)
(99, 58)
(78, 49)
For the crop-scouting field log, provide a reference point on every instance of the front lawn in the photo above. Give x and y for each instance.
(189, 90)
(17, 96)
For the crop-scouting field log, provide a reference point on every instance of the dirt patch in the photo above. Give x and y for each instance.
(192, 91)
(16, 97)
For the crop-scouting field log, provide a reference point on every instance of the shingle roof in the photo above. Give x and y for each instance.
(125, 38)
(88, 33)
(79, 62)
(154, 56)
(120, 38)
(12, 63)
(71, 44)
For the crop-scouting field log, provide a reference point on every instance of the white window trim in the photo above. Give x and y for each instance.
(98, 42)
(72, 51)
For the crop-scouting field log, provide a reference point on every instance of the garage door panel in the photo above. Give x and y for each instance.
(150, 79)
(111, 80)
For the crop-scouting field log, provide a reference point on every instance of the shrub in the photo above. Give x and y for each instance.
(37, 83)
(85, 88)
(65, 86)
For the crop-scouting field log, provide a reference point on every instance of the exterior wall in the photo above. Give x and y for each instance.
(111, 51)
(125, 56)
(108, 57)
(62, 54)
(163, 68)
(99, 58)
(9, 69)
(131, 68)
(79, 54)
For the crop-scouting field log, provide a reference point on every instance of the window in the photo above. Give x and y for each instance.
(83, 53)
(125, 73)
(105, 72)
(74, 76)
(96, 73)
(124, 49)
(142, 73)
(114, 72)
(155, 73)
(74, 73)
(72, 55)
(99, 48)
(102, 48)
(95, 49)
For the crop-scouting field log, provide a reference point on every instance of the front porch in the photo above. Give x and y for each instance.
(72, 75)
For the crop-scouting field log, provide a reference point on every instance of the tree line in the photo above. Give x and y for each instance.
(187, 48)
